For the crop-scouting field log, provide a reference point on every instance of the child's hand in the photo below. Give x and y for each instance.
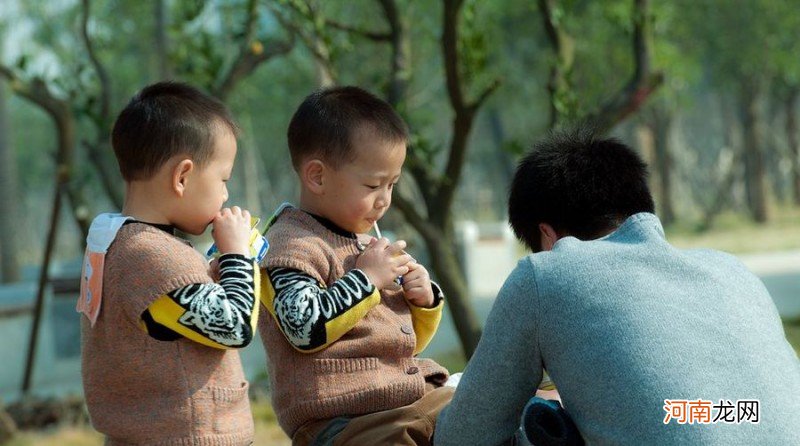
(383, 262)
(213, 269)
(232, 231)
(417, 286)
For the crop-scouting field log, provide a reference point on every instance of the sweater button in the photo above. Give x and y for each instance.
(412, 370)
(406, 329)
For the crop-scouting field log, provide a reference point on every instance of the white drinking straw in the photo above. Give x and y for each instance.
(377, 231)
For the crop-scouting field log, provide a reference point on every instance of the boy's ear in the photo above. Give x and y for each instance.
(180, 176)
(312, 175)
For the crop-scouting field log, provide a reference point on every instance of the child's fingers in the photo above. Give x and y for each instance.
(413, 277)
(397, 246)
(402, 260)
(416, 270)
(379, 243)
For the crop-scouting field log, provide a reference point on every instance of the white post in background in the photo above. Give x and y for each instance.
(488, 252)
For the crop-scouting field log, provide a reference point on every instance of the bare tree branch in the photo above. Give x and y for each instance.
(563, 46)
(98, 149)
(371, 35)
(399, 77)
(35, 91)
(251, 54)
(464, 111)
(642, 83)
(449, 41)
(161, 40)
(399, 70)
(475, 105)
(313, 41)
(412, 216)
(97, 152)
(102, 73)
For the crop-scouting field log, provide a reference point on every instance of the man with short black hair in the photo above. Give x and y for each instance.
(647, 343)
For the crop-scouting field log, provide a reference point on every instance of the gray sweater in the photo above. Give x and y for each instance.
(622, 324)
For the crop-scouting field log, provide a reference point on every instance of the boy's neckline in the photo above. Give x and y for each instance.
(169, 229)
(331, 226)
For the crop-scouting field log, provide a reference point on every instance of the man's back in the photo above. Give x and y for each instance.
(628, 321)
(622, 324)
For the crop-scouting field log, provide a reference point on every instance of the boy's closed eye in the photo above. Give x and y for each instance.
(390, 185)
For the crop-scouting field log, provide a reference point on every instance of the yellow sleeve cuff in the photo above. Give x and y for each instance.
(426, 322)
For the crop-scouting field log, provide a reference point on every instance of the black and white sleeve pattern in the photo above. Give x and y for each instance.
(220, 312)
(312, 316)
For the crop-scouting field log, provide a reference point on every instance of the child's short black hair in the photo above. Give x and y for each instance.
(163, 120)
(579, 184)
(325, 122)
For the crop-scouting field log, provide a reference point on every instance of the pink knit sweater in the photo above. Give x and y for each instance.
(369, 369)
(143, 391)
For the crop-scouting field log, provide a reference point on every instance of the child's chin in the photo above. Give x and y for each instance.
(193, 231)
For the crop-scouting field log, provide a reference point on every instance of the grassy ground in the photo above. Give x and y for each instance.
(792, 329)
(267, 430)
(735, 233)
(268, 433)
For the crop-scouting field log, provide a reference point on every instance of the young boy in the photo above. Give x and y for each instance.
(156, 346)
(342, 339)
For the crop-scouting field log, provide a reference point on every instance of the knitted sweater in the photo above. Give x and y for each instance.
(627, 326)
(369, 369)
(143, 391)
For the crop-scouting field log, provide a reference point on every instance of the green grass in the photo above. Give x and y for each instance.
(453, 360)
(62, 436)
(792, 329)
(736, 233)
(267, 431)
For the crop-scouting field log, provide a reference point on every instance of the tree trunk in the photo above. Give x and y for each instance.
(732, 141)
(253, 189)
(755, 181)
(161, 40)
(661, 125)
(505, 162)
(792, 139)
(444, 263)
(9, 216)
(558, 86)
(436, 228)
(64, 123)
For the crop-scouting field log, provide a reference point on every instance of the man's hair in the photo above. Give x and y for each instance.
(325, 123)
(164, 120)
(579, 184)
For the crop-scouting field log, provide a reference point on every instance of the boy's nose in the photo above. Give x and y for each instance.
(383, 200)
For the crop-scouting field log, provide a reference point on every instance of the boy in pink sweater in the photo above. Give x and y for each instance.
(343, 337)
(158, 346)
